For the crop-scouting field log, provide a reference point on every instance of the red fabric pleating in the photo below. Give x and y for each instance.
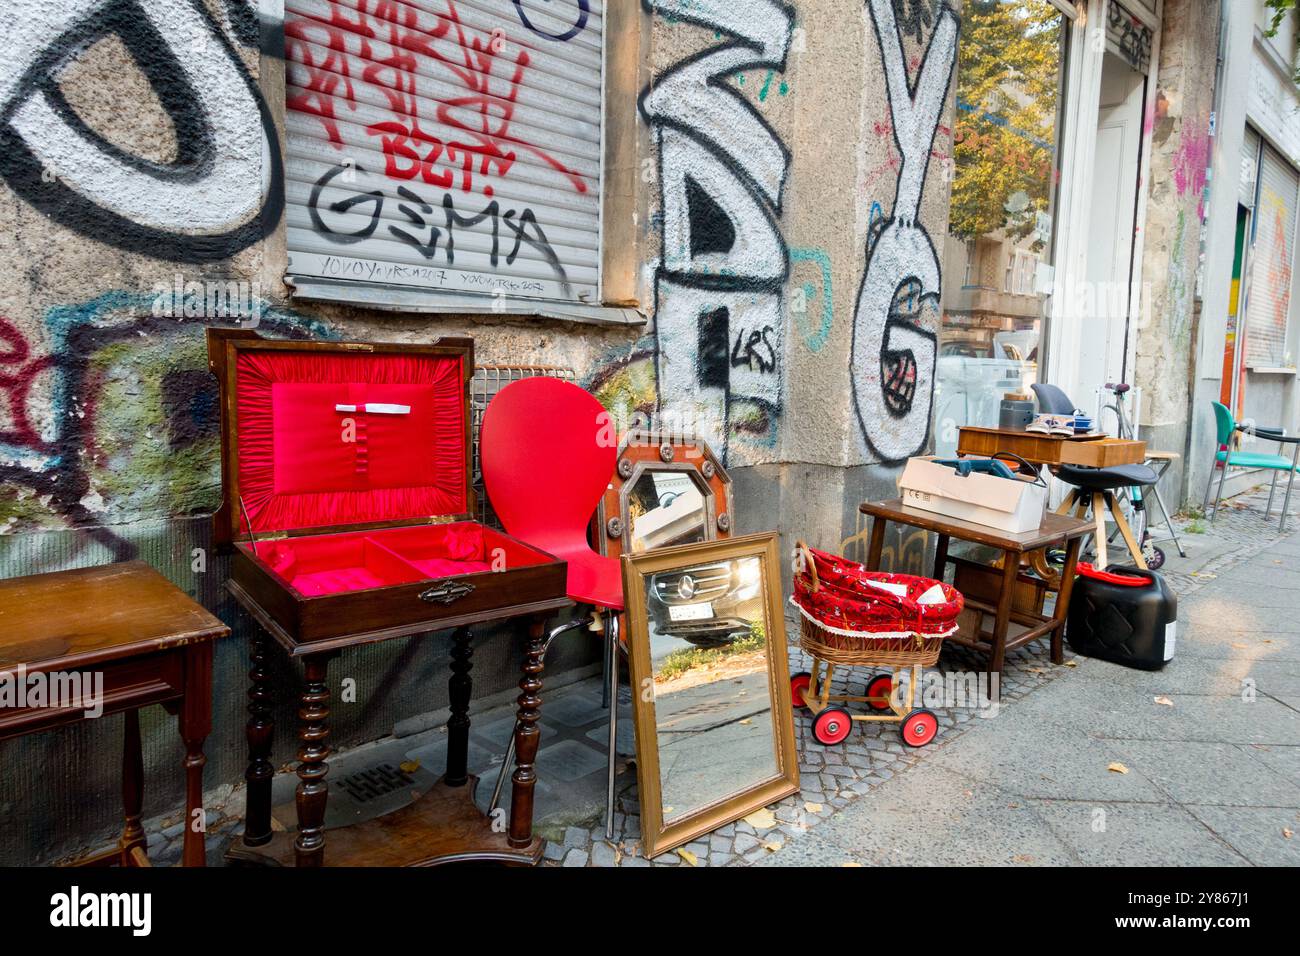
(303, 464)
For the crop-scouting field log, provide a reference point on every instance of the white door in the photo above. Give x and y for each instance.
(1103, 307)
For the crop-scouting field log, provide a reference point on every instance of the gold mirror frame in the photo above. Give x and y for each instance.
(656, 837)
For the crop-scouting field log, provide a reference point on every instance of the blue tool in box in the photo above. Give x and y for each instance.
(991, 466)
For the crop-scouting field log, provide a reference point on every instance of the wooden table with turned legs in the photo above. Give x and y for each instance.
(138, 640)
(442, 826)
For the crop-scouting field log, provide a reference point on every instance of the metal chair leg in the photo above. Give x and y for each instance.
(604, 671)
(1169, 523)
(1223, 476)
(1272, 489)
(611, 628)
(1290, 480)
(1209, 487)
(510, 747)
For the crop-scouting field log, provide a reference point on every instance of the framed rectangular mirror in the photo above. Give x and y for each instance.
(710, 686)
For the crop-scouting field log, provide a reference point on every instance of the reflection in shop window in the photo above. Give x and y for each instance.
(998, 250)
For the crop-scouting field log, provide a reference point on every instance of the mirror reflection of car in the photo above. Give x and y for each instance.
(709, 605)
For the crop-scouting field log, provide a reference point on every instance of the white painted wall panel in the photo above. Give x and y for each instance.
(446, 144)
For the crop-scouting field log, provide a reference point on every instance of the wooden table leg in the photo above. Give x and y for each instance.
(527, 736)
(1134, 549)
(1002, 619)
(132, 787)
(877, 545)
(195, 725)
(260, 730)
(940, 557)
(1062, 608)
(460, 688)
(313, 791)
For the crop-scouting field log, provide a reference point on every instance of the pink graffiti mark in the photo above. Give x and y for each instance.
(1279, 270)
(18, 371)
(1191, 160)
(893, 162)
(482, 142)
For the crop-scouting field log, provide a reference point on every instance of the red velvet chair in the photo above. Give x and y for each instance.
(548, 451)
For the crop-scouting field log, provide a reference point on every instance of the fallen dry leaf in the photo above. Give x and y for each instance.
(761, 819)
(1117, 767)
(771, 846)
(689, 857)
(409, 766)
(851, 863)
(813, 807)
(1022, 858)
(745, 722)
(1239, 645)
(1071, 663)
(1164, 701)
(1288, 832)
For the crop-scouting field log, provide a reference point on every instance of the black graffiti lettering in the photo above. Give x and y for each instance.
(893, 355)
(757, 348)
(490, 212)
(52, 158)
(711, 229)
(580, 23)
(416, 214)
(528, 230)
(714, 332)
(343, 207)
(724, 265)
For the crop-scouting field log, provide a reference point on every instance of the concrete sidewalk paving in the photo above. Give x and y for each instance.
(1211, 746)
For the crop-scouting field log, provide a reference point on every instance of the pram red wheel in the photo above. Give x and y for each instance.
(919, 728)
(798, 684)
(882, 685)
(831, 726)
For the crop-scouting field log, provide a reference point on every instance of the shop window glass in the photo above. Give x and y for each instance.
(1006, 169)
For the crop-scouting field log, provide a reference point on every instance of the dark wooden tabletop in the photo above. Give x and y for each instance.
(71, 619)
(1054, 529)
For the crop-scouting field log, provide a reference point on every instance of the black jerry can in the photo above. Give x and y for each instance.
(1123, 615)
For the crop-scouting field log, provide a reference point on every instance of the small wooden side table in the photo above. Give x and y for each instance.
(150, 642)
(1055, 530)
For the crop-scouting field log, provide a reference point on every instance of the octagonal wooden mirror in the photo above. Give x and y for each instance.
(667, 490)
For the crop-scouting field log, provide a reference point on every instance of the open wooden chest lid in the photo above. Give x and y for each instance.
(329, 436)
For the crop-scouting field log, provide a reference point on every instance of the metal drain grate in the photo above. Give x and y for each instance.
(366, 785)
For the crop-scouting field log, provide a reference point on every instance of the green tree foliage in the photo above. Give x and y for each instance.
(1280, 10)
(1008, 86)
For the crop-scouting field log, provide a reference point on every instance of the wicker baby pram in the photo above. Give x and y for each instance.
(852, 617)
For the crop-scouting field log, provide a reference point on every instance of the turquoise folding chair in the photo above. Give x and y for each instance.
(1226, 458)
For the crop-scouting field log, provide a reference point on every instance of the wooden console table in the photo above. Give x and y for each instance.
(152, 645)
(444, 825)
(1054, 531)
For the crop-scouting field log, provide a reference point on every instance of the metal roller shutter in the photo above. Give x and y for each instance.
(446, 144)
(1272, 261)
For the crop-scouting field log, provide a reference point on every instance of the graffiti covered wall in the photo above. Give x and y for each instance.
(1179, 125)
(895, 340)
(784, 156)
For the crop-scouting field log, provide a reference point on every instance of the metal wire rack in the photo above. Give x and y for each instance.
(488, 380)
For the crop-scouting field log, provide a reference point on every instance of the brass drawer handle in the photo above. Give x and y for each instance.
(448, 592)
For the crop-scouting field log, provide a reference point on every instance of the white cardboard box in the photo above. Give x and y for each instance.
(1010, 505)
